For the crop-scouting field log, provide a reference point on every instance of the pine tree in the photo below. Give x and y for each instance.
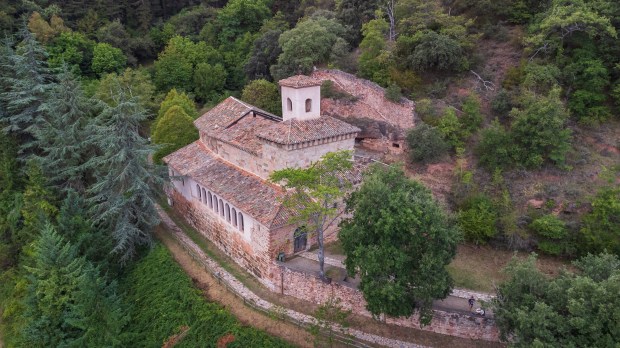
(91, 242)
(54, 277)
(123, 196)
(37, 206)
(27, 88)
(96, 311)
(61, 135)
(68, 304)
(10, 200)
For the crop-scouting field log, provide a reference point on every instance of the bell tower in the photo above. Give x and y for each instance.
(301, 98)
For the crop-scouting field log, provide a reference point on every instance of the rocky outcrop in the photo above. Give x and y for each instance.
(381, 120)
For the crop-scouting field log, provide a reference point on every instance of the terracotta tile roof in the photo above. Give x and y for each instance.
(299, 81)
(295, 131)
(251, 194)
(235, 122)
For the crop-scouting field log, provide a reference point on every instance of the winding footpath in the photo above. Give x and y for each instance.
(213, 267)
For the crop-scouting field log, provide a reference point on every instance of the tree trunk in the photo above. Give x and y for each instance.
(321, 254)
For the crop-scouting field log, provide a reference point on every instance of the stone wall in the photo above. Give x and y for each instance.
(278, 157)
(308, 287)
(253, 254)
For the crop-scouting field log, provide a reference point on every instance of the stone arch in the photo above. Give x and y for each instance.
(204, 196)
(227, 211)
(233, 214)
(198, 190)
(221, 208)
(210, 199)
(215, 207)
(241, 227)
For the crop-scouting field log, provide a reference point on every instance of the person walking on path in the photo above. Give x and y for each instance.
(471, 302)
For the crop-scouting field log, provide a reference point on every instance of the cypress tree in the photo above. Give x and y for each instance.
(123, 196)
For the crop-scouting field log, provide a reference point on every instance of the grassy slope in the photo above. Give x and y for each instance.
(164, 299)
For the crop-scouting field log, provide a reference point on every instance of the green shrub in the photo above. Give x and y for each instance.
(502, 103)
(495, 149)
(478, 219)
(427, 111)
(393, 93)
(329, 91)
(426, 143)
(601, 227)
(472, 117)
(552, 232)
(451, 128)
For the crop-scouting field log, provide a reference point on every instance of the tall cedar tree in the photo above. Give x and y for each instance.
(27, 88)
(123, 195)
(315, 193)
(399, 241)
(62, 135)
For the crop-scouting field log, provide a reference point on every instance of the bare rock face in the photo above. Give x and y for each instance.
(536, 203)
(379, 118)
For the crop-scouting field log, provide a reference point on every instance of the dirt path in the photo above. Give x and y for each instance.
(213, 291)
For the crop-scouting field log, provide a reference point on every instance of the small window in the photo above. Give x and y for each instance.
(241, 222)
(234, 217)
(221, 208)
(198, 190)
(215, 204)
(210, 199)
(308, 105)
(289, 104)
(396, 145)
(227, 212)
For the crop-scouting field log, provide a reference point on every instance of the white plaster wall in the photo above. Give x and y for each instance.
(298, 97)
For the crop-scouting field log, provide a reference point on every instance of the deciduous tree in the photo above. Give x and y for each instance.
(175, 130)
(315, 194)
(399, 241)
(263, 94)
(573, 309)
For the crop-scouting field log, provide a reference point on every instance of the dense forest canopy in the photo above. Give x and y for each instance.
(90, 90)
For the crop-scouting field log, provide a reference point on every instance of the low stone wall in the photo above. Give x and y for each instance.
(309, 287)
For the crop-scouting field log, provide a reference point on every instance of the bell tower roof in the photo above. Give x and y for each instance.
(300, 81)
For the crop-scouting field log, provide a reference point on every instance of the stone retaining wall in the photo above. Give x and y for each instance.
(309, 287)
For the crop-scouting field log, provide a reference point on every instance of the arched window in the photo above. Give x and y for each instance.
(234, 217)
(240, 222)
(198, 190)
(215, 204)
(227, 212)
(308, 105)
(289, 104)
(210, 199)
(221, 208)
(204, 196)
